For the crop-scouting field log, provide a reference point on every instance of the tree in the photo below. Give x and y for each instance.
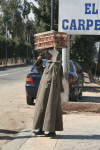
(26, 8)
(82, 50)
(15, 18)
(16, 11)
(11, 11)
(2, 27)
(43, 15)
(15, 48)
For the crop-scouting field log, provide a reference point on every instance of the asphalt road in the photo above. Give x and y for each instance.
(12, 74)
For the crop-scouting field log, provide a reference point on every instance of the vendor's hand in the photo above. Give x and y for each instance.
(39, 58)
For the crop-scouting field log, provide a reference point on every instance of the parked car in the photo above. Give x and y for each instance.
(33, 80)
(81, 70)
(75, 78)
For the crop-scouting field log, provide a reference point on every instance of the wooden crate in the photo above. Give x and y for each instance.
(50, 39)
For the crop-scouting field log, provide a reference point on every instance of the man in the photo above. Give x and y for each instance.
(48, 112)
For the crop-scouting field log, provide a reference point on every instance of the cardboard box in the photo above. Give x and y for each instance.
(50, 39)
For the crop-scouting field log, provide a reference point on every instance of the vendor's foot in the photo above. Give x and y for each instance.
(50, 134)
(39, 132)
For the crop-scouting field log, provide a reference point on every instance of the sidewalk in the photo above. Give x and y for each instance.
(81, 132)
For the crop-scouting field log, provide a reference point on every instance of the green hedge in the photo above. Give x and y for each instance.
(14, 48)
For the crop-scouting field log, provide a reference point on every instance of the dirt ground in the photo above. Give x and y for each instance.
(15, 114)
(95, 92)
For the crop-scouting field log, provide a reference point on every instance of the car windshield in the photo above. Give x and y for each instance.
(79, 67)
(44, 63)
(34, 67)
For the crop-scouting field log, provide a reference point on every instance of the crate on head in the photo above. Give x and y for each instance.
(50, 39)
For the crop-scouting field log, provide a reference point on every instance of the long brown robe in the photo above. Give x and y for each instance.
(48, 112)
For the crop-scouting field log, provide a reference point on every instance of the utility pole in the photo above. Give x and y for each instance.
(6, 40)
(27, 47)
(7, 34)
(52, 13)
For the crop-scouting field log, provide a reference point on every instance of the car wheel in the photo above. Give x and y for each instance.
(29, 100)
(80, 94)
(75, 99)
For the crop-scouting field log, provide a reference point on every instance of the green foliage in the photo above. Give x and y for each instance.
(2, 47)
(14, 48)
(82, 50)
(12, 11)
(43, 15)
(15, 45)
(23, 48)
(14, 14)
(15, 18)
(26, 8)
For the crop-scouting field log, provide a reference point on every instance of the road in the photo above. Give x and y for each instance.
(13, 74)
(15, 114)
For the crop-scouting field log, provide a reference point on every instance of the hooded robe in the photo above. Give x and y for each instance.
(48, 112)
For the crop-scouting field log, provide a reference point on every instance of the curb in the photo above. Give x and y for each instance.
(14, 66)
(18, 141)
(81, 107)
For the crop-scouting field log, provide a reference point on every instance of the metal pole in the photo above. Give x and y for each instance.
(52, 13)
(65, 64)
(98, 63)
(6, 42)
(27, 48)
(66, 57)
(64, 61)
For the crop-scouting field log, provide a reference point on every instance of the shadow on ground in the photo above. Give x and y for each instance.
(8, 131)
(81, 137)
(96, 90)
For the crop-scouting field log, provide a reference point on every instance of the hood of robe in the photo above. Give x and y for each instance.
(55, 58)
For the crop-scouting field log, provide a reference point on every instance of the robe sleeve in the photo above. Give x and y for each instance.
(39, 67)
(61, 77)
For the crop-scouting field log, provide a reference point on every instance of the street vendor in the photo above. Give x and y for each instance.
(48, 112)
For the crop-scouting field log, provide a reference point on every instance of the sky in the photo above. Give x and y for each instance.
(31, 15)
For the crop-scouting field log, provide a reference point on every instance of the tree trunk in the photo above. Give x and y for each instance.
(95, 70)
(92, 80)
(98, 70)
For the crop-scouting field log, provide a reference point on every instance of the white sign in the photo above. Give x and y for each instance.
(79, 17)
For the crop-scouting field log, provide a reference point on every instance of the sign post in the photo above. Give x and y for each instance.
(65, 64)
